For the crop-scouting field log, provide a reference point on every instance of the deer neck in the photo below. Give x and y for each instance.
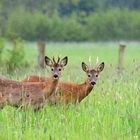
(50, 86)
(85, 89)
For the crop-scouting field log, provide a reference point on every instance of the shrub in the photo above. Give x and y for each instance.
(16, 56)
(20, 25)
(74, 31)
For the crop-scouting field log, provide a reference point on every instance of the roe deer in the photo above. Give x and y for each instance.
(50, 82)
(68, 92)
(17, 93)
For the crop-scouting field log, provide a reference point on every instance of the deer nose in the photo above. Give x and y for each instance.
(93, 83)
(55, 76)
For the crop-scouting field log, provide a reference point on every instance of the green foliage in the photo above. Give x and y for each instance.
(53, 19)
(16, 56)
(2, 41)
(73, 30)
(20, 25)
(41, 25)
(56, 28)
(31, 26)
(113, 24)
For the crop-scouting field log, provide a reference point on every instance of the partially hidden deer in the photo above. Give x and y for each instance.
(68, 92)
(18, 93)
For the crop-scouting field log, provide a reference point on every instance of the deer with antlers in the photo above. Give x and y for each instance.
(68, 92)
(34, 94)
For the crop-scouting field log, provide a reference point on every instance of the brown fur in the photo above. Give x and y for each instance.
(31, 93)
(68, 92)
(18, 93)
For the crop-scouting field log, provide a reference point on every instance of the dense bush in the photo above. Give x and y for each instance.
(20, 24)
(73, 30)
(113, 24)
(15, 59)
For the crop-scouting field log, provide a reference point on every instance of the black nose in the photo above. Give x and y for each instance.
(55, 76)
(93, 83)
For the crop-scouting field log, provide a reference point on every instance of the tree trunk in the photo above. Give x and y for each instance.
(41, 54)
(121, 57)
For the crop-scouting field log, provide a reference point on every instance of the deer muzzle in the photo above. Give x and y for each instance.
(93, 83)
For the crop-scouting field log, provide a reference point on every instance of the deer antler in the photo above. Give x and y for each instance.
(89, 59)
(53, 59)
(58, 58)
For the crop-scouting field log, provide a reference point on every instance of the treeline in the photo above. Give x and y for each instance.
(66, 7)
(70, 20)
(109, 25)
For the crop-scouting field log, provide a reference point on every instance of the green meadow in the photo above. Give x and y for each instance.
(110, 112)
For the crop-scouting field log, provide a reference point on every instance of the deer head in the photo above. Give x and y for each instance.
(92, 73)
(56, 66)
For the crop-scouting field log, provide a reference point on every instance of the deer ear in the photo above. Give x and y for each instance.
(100, 67)
(84, 67)
(48, 61)
(64, 61)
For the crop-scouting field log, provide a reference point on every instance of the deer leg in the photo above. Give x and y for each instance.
(3, 101)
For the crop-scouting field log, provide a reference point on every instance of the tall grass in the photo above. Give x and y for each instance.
(110, 112)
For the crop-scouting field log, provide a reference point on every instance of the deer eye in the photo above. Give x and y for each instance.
(59, 69)
(89, 75)
(52, 69)
(96, 75)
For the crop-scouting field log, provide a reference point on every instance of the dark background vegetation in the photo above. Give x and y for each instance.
(70, 20)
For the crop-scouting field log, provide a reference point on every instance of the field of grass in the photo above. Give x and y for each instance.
(110, 112)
